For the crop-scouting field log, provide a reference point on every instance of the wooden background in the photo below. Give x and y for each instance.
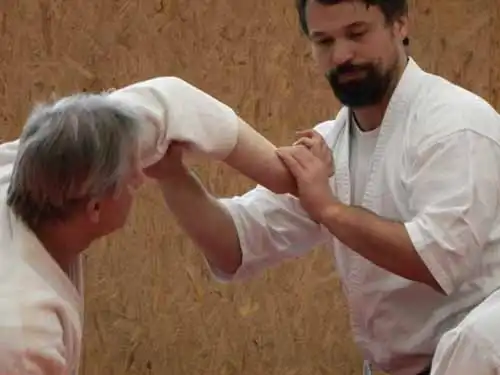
(151, 307)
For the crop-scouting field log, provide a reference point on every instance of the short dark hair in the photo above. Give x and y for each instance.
(391, 9)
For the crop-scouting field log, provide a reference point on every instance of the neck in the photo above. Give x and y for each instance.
(370, 117)
(63, 241)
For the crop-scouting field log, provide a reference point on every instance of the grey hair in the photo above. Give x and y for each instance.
(75, 149)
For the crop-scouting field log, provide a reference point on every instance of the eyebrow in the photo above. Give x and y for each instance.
(319, 34)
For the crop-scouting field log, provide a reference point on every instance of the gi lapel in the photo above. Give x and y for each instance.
(395, 115)
(341, 156)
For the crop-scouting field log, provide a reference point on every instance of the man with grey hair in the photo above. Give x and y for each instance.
(70, 179)
(67, 181)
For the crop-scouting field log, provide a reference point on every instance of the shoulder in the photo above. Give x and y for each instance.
(9, 149)
(8, 153)
(443, 108)
(32, 334)
(478, 332)
(481, 324)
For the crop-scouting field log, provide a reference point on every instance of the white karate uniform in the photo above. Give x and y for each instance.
(435, 167)
(473, 347)
(177, 110)
(41, 308)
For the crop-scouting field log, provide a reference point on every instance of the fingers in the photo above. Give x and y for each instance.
(318, 148)
(310, 133)
(286, 155)
(304, 155)
(303, 164)
(297, 157)
(169, 163)
(308, 142)
(310, 138)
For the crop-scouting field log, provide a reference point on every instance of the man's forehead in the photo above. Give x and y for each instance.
(330, 18)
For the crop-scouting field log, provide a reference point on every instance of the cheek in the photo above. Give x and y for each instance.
(390, 59)
(120, 211)
(125, 201)
(121, 204)
(375, 45)
(388, 48)
(321, 59)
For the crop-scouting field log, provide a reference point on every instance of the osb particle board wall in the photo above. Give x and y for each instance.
(152, 307)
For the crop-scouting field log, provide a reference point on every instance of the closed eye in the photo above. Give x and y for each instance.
(323, 41)
(356, 35)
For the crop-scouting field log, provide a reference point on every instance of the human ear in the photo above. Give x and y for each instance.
(401, 27)
(94, 210)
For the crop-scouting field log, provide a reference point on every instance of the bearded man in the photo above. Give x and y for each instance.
(411, 212)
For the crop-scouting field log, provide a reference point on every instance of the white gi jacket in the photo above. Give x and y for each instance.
(436, 169)
(41, 308)
(473, 347)
(176, 110)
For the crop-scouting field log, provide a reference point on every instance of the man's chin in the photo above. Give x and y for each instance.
(358, 100)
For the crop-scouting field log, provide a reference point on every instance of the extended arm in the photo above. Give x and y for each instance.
(241, 235)
(178, 111)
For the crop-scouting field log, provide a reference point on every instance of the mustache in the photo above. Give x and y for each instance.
(346, 68)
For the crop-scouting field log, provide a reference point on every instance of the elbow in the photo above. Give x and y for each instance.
(168, 86)
(227, 265)
(168, 80)
(230, 269)
(449, 259)
(434, 284)
(421, 273)
(445, 281)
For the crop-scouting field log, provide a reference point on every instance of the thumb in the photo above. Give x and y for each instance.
(176, 148)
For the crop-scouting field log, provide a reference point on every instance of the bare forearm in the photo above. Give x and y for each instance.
(256, 157)
(204, 219)
(385, 243)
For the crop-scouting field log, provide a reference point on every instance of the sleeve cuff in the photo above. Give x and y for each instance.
(428, 252)
(243, 272)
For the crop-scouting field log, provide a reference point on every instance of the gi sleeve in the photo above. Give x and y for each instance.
(177, 111)
(271, 229)
(8, 152)
(471, 348)
(31, 343)
(454, 191)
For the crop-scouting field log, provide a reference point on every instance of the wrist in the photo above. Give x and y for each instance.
(331, 212)
(174, 179)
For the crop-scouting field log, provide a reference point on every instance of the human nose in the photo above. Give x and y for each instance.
(342, 52)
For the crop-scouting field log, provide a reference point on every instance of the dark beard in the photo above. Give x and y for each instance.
(369, 90)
